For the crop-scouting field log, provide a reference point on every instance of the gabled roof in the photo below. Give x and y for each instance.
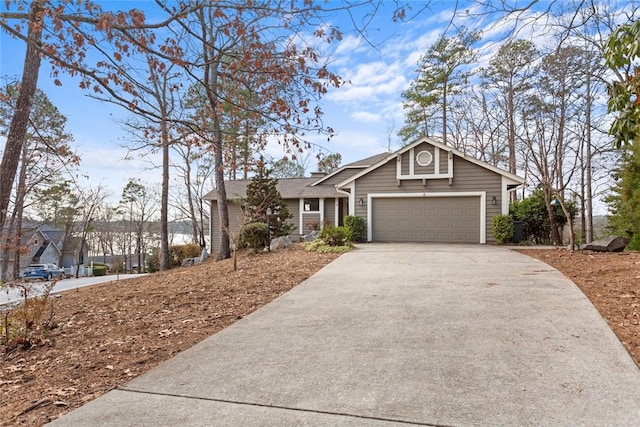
(359, 164)
(289, 188)
(441, 146)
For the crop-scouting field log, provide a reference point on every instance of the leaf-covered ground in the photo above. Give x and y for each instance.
(110, 333)
(611, 281)
(107, 334)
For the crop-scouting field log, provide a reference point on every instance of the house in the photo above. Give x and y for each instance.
(424, 192)
(43, 245)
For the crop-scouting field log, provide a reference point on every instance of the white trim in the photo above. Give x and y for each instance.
(412, 170)
(352, 199)
(428, 155)
(436, 168)
(505, 197)
(301, 211)
(211, 225)
(515, 178)
(336, 211)
(348, 199)
(481, 194)
(321, 206)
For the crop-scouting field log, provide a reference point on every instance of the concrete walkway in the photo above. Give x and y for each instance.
(445, 335)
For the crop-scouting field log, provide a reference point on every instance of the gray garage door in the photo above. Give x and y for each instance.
(426, 219)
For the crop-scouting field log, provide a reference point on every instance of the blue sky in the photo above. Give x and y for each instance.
(366, 113)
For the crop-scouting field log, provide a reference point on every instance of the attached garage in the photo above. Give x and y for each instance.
(424, 217)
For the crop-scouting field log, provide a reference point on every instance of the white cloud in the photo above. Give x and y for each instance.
(349, 45)
(366, 117)
(369, 82)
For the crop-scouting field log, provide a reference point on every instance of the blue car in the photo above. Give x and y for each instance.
(43, 271)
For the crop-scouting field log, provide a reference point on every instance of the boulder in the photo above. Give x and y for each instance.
(608, 244)
(280, 243)
(190, 261)
(187, 262)
(204, 255)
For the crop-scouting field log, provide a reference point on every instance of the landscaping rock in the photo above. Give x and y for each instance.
(190, 261)
(204, 255)
(608, 244)
(280, 243)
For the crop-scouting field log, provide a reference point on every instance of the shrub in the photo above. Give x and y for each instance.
(334, 236)
(355, 227)
(253, 235)
(29, 323)
(502, 227)
(117, 265)
(153, 261)
(634, 243)
(179, 253)
(532, 211)
(319, 245)
(99, 270)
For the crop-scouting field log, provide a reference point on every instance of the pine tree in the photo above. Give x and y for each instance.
(262, 193)
(624, 202)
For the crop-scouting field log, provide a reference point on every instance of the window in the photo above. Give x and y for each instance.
(312, 205)
(424, 158)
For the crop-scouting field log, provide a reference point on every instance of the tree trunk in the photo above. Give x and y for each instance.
(195, 232)
(20, 119)
(588, 190)
(11, 238)
(444, 114)
(572, 243)
(511, 137)
(164, 214)
(223, 209)
(556, 238)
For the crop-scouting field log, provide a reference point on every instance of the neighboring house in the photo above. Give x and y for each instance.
(424, 192)
(44, 246)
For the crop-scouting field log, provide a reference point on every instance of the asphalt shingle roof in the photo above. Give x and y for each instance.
(289, 188)
(368, 161)
(295, 188)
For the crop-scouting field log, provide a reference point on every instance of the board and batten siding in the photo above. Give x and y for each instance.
(467, 177)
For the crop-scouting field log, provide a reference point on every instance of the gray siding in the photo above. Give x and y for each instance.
(311, 221)
(341, 176)
(467, 177)
(235, 221)
(404, 169)
(444, 163)
(294, 209)
(330, 211)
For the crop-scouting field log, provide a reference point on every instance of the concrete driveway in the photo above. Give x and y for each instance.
(396, 334)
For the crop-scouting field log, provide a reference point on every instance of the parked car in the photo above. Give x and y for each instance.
(43, 271)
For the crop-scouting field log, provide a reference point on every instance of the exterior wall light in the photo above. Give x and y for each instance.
(361, 201)
(494, 200)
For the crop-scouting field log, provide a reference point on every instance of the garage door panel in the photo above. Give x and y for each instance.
(426, 219)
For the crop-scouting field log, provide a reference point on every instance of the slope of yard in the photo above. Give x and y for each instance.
(611, 281)
(107, 334)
